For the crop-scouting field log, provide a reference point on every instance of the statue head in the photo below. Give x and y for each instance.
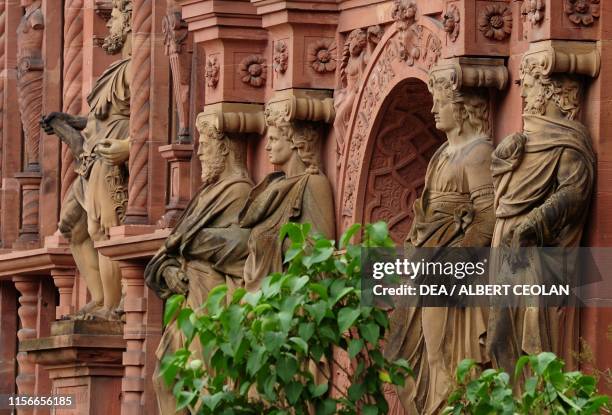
(217, 150)
(554, 95)
(357, 41)
(292, 140)
(459, 109)
(119, 27)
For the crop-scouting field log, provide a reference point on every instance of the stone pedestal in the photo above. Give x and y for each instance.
(178, 157)
(83, 360)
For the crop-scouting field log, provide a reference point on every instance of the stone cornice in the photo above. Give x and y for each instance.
(136, 247)
(35, 261)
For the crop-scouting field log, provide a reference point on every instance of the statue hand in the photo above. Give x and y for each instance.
(176, 280)
(45, 122)
(524, 236)
(114, 151)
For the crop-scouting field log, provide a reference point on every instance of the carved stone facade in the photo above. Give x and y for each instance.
(340, 87)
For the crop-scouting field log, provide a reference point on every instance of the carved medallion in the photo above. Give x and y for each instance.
(253, 70)
(452, 22)
(495, 21)
(582, 12)
(322, 56)
(212, 72)
(281, 57)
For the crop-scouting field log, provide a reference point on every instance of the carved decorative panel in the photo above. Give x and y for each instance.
(405, 141)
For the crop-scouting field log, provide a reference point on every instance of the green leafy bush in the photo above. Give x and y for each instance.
(259, 348)
(546, 389)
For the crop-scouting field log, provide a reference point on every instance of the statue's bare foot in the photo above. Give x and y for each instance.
(86, 309)
(103, 314)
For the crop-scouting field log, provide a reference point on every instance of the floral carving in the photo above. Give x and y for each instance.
(495, 21)
(533, 10)
(451, 22)
(582, 12)
(433, 50)
(212, 72)
(410, 44)
(322, 56)
(253, 70)
(281, 57)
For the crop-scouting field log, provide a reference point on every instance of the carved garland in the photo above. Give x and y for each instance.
(533, 11)
(281, 57)
(451, 22)
(212, 71)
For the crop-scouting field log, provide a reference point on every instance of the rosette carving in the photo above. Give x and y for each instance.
(322, 56)
(495, 21)
(253, 70)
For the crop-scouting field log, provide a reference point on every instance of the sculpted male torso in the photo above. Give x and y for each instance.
(543, 183)
(455, 210)
(206, 247)
(100, 144)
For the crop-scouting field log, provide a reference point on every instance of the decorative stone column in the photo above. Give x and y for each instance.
(30, 192)
(63, 278)
(8, 338)
(178, 157)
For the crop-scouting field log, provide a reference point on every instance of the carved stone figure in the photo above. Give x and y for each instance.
(454, 210)
(298, 192)
(30, 78)
(99, 142)
(194, 258)
(543, 183)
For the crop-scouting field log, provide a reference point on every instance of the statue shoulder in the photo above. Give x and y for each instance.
(319, 184)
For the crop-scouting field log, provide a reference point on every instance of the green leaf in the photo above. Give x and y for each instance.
(520, 364)
(300, 343)
(318, 390)
(297, 284)
(172, 305)
(211, 401)
(184, 398)
(347, 317)
(255, 361)
(317, 310)
(356, 391)
(370, 333)
(215, 297)
(252, 298)
(293, 230)
(544, 359)
(326, 407)
(184, 323)
(286, 367)
(319, 289)
(384, 376)
(345, 239)
(306, 330)
(238, 294)
(369, 410)
(354, 347)
(273, 341)
(293, 390)
(463, 369)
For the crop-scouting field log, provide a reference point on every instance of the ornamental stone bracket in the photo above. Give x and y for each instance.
(569, 57)
(473, 72)
(234, 117)
(303, 104)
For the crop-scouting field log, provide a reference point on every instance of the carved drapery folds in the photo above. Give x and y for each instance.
(544, 199)
(178, 49)
(30, 79)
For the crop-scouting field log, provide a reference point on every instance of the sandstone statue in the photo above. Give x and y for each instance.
(454, 210)
(206, 248)
(297, 192)
(543, 181)
(99, 143)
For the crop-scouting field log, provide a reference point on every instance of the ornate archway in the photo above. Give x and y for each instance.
(391, 133)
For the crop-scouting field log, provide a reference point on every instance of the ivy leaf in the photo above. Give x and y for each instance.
(215, 297)
(369, 410)
(255, 361)
(370, 333)
(463, 369)
(286, 367)
(347, 317)
(293, 390)
(317, 310)
(318, 390)
(300, 343)
(354, 347)
(348, 234)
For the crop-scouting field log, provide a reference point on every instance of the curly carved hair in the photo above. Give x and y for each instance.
(228, 143)
(469, 104)
(564, 90)
(303, 135)
(361, 37)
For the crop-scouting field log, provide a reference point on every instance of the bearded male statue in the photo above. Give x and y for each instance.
(543, 181)
(296, 192)
(454, 210)
(206, 248)
(99, 142)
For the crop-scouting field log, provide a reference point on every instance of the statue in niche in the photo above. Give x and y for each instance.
(30, 78)
(543, 181)
(298, 192)
(99, 143)
(454, 210)
(206, 247)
